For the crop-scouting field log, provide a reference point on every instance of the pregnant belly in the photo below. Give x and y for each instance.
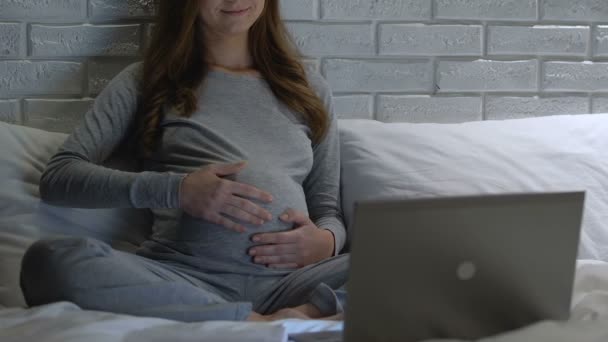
(214, 243)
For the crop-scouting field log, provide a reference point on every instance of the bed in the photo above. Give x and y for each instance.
(384, 160)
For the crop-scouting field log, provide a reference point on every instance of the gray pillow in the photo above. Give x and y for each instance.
(25, 219)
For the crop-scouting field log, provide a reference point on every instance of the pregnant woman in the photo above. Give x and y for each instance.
(239, 153)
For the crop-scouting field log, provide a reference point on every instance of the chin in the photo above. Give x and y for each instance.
(237, 30)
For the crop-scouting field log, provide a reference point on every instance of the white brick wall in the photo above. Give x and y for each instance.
(392, 60)
(600, 105)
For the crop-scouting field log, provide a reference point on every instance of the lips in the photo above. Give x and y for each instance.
(236, 12)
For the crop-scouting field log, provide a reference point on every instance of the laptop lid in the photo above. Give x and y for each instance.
(461, 267)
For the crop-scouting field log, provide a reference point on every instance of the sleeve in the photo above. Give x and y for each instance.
(74, 176)
(322, 185)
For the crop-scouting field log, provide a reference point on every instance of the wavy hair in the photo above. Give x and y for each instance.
(174, 67)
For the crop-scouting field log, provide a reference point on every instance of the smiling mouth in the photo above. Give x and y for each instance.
(238, 12)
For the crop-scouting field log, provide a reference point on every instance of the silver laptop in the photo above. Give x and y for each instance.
(461, 267)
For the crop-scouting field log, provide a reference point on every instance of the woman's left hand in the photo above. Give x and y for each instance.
(305, 244)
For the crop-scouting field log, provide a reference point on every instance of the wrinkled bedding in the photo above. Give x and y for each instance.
(66, 322)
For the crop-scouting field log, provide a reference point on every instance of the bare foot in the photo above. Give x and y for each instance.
(337, 317)
(289, 313)
(306, 311)
(309, 310)
(314, 313)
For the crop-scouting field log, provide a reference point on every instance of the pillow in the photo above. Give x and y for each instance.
(24, 219)
(555, 153)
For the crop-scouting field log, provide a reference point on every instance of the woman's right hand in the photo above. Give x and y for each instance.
(204, 194)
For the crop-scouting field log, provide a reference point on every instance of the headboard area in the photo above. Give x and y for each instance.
(440, 61)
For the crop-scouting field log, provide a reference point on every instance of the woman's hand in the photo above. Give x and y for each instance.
(203, 194)
(304, 245)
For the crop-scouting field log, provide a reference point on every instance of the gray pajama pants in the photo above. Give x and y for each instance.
(91, 274)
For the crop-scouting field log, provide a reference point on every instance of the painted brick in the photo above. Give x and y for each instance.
(101, 72)
(122, 8)
(498, 108)
(484, 75)
(326, 39)
(85, 40)
(417, 39)
(544, 40)
(55, 115)
(43, 77)
(600, 105)
(601, 41)
(575, 76)
(68, 10)
(486, 9)
(298, 9)
(9, 111)
(364, 75)
(376, 9)
(353, 106)
(428, 109)
(575, 10)
(342, 45)
(10, 39)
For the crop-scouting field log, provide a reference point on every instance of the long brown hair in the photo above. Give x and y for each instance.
(174, 68)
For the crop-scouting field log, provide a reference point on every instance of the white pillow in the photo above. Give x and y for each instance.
(404, 160)
(24, 219)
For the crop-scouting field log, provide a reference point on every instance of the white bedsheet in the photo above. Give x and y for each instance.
(66, 322)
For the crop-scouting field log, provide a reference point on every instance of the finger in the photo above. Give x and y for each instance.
(250, 207)
(240, 214)
(275, 259)
(283, 265)
(228, 169)
(222, 221)
(247, 190)
(298, 217)
(281, 249)
(280, 237)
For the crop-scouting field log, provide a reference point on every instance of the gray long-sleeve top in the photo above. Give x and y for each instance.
(238, 119)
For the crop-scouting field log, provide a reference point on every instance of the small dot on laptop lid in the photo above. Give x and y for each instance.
(466, 270)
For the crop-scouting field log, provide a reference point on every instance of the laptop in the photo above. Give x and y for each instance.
(459, 267)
